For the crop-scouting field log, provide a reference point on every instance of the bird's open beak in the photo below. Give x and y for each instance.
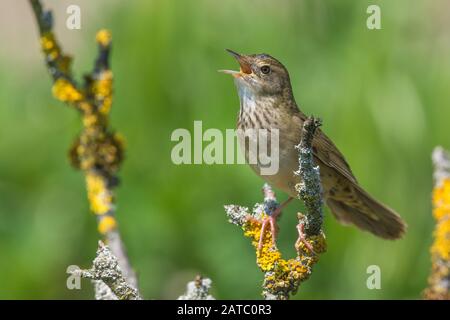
(245, 67)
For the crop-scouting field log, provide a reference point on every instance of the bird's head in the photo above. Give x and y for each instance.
(260, 74)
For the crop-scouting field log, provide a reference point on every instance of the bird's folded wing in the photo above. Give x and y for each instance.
(325, 150)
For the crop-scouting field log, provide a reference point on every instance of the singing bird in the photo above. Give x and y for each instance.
(267, 102)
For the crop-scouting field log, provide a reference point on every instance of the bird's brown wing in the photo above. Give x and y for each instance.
(349, 202)
(326, 151)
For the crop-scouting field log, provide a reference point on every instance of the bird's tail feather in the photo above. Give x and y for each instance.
(368, 214)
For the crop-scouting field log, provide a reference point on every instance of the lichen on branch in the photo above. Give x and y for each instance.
(198, 290)
(106, 269)
(310, 188)
(98, 150)
(439, 279)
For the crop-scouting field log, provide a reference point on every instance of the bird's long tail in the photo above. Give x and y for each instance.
(360, 209)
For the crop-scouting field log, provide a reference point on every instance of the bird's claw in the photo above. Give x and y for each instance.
(270, 220)
(301, 238)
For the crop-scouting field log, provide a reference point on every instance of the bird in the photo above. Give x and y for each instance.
(267, 102)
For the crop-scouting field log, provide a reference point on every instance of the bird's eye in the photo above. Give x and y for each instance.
(265, 69)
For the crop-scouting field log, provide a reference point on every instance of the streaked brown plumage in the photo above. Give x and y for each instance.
(267, 101)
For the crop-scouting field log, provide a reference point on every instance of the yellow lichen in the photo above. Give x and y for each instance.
(441, 245)
(441, 212)
(85, 107)
(53, 53)
(106, 105)
(102, 89)
(104, 37)
(440, 250)
(268, 255)
(97, 151)
(317, 242)
(65, 91)
(107, 224)
(441, 200)
(49, 45)
(282, 275)
(48, 41)
(120, 140)
(90, 119)
(100, 198)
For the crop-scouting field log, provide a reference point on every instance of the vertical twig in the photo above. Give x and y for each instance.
(439, 279)
(310, 188)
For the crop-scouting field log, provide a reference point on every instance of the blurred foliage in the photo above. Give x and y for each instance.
(383, 96)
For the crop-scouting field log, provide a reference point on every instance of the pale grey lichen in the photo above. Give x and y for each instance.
(441, 162)
(106, 269)
(259, 209)
(198, 290)
(102, 291)
(310, 188)
(237, 215)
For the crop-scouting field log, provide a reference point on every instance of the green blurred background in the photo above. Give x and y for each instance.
(383, 96)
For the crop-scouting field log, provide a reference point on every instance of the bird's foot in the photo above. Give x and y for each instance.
(302, 239)
(272, 222)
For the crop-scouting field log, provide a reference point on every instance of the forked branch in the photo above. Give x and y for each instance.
(98, 150)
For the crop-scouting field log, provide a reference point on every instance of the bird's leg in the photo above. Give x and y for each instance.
(277, 211)
(301, 237)
(263, 231)
(272, 221)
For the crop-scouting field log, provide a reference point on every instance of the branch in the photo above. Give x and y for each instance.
(441, 162)
(198, 290)
(283, 277)
(439, 279)
(106, 271)
(98, 150)
(310, 188)
(102, 291)
(57, 62)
